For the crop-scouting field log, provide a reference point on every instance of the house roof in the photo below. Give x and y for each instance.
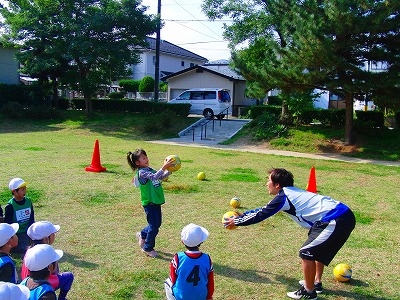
(222, 70)
(169, 48)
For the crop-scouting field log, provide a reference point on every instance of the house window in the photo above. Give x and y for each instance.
(378, 65)
(182, 63)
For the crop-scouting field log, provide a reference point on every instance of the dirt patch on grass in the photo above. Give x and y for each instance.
(330, 146)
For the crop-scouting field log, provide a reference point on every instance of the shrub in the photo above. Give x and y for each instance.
(371, 119)
(397, 119)
(256, 111)
(268, 127)
(40, 113)
(146, 84)
(12, 109)
(116, 95)
(129, 85)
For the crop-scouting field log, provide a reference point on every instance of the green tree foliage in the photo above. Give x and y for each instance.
(130, 85)
(146, 84)
(294, 45)
(163, 86)
(83, 43)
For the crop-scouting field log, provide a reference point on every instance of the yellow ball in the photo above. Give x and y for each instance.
(229, 215)
(342, 272)
(176, 163)
(235, 202)
(201, 176)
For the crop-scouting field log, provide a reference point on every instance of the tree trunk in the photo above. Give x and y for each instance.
(88, 104)
(349, 138)
(55, 93)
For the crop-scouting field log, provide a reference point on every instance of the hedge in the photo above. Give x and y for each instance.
(108, 105)
(328, 117)
(374, 118)
(256, 111)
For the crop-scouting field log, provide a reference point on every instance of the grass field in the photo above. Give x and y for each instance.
(100, 213)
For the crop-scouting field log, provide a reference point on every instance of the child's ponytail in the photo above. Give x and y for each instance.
(133, 157)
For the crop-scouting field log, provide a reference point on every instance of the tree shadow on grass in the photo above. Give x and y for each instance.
(77, 262)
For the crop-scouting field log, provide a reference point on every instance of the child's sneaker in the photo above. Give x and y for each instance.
(141, 241)
(303, 294)
(152, 253)
(317, 286)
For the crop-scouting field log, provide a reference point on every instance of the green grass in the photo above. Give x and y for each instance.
(100, 213)
(378, 144)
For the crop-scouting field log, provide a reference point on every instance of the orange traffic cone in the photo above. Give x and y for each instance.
(312, 182)
(96, 165)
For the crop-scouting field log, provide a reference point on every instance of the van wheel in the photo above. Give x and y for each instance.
(208, 113)
(220, 116)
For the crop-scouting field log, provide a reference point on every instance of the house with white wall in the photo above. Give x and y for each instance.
(216, 74)
(8, 65)
(172, 59)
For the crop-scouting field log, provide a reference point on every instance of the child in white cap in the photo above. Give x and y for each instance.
(43, 232)
(19, 209)
(8, 240)
(41, 262)
(11, 291)
(191, 272)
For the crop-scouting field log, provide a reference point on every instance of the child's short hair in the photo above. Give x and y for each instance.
(40, 275)
(133, 157)
(281, 176)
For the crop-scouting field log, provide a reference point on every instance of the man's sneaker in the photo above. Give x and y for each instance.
(303, 294)
(141, 241)
(152, 253)
(317, 286)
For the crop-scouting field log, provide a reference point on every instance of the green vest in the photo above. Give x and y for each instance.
(151, 191)
(22, 213)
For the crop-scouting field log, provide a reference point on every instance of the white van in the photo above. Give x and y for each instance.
(208, 102)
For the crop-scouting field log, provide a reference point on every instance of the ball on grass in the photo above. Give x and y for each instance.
(201, 176)
(176, 163)
(342, 272)
(235, 202)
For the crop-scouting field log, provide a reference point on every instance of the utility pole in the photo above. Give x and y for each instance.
(157, 62)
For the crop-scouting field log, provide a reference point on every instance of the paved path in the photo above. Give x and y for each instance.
(229, 127)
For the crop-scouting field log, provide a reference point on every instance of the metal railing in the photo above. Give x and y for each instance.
(203, 125)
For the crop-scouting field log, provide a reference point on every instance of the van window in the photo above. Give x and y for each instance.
(224, 96)
(184, 96)
(209, 95)
(196, 96)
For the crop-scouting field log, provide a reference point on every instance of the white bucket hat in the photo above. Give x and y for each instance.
(7, 231)
(193, 235)
(40, 256)
(16, 183)
(42, 229)
(11, 291)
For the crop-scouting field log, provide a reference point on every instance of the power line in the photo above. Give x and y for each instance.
(196, 19)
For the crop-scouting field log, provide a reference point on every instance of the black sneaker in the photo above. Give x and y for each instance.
(317, 286)
(303, 294)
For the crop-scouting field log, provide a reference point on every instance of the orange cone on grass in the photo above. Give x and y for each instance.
(96, 165)
(312, 182)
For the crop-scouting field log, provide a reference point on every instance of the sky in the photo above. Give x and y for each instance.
(185, 25)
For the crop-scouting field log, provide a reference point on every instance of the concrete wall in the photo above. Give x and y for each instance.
(8, 66)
